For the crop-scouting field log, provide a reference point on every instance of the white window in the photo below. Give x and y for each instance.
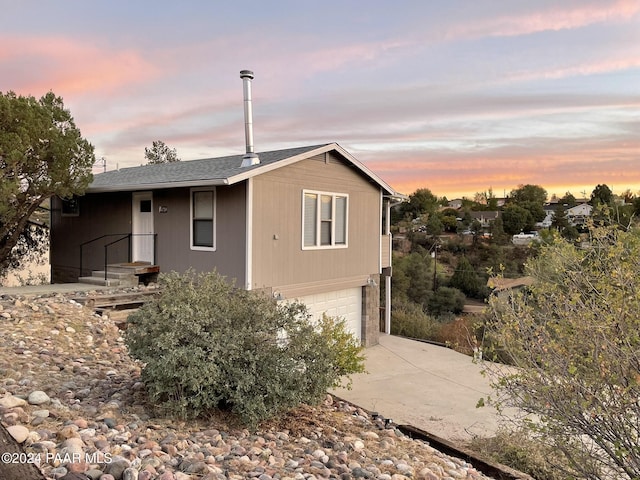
(324, 219)
(203, 208)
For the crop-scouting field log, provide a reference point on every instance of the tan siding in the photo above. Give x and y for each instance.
(278, 258)
(385, 255)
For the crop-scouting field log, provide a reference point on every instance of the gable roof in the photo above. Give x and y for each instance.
(217, 171)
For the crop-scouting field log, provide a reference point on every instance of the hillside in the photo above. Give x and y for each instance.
(70, 392)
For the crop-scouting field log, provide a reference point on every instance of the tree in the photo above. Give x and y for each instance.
(574, 337)
(42, 154)
(418, 270)
(628, 196)
(532, 199)
(449, 219)
(569, 200)
(529, 193)
(497, 231)
(636, 206)
(434, 225)
(420, 202)
(601, 195)
(516, 219)
(160, 153)
(446, 300)
(466, 279)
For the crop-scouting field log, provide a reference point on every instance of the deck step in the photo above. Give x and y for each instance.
(122, 274)
(109, 282)
(135, 268)
(112, 274)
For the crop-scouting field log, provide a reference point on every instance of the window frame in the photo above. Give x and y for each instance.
(70, 207)
(192, 196)
(319, 220)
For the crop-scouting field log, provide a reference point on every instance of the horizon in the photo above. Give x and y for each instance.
(457, 97)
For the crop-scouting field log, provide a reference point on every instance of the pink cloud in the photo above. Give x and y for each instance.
(34, 65)
(560, 16)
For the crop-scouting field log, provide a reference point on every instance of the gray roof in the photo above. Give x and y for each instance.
(214, 171)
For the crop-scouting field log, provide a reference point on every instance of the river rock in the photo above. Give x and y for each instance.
(11, 402)
(18, 432)
(38, 397)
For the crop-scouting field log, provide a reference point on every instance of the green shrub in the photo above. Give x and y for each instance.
(409, 320)
(207, 345)
(446, 300)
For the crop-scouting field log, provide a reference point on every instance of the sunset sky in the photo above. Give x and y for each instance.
(455, 96)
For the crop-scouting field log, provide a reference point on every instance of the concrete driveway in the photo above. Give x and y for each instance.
(433, 388)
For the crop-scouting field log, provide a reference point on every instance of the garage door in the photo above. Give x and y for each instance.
(346, 304)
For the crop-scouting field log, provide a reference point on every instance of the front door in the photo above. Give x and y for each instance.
(142, 242)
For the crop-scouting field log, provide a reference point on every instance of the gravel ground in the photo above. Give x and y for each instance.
(73, 397)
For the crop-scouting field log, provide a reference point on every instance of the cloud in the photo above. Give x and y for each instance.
(558, 16)
(35, 65)
(557, 165)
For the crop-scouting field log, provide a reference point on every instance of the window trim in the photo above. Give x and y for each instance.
(191, 219)
(318, 220)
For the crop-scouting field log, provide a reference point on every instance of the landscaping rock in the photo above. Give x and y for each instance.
(99, 425)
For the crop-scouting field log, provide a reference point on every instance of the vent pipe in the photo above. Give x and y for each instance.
(249, 158)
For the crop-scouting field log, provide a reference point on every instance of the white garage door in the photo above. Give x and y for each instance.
(346, 304)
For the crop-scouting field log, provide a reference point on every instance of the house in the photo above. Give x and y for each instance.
(579, 214)
(308, 223)
(456, 203)
(485, 218)
(501, 286)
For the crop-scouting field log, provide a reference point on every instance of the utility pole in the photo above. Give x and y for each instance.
(101, 162)
(435, 266)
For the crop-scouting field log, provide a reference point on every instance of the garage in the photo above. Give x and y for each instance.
(346, 304)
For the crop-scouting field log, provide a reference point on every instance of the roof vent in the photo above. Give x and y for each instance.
(249, 158)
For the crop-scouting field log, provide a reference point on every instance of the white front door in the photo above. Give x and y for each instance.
(142, 242)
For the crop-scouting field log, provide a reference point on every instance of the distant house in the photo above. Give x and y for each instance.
(579, 214)
(308, 223)
(549, 213)
(502, 286)
(456, 203)
(485, 218)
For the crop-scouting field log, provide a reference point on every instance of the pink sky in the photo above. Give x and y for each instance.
(457, 97)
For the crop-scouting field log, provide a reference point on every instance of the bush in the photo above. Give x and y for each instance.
(409, 320)
(459, 334)
(207, 345)
(520, 451)
(574, 337)
(446, 300)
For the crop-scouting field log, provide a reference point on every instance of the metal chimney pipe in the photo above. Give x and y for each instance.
(250, 158)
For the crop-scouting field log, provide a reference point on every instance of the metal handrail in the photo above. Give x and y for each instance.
(106, 252)
(106, 246)
(82, 245)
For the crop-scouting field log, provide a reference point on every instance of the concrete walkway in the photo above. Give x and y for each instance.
(433, 388)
